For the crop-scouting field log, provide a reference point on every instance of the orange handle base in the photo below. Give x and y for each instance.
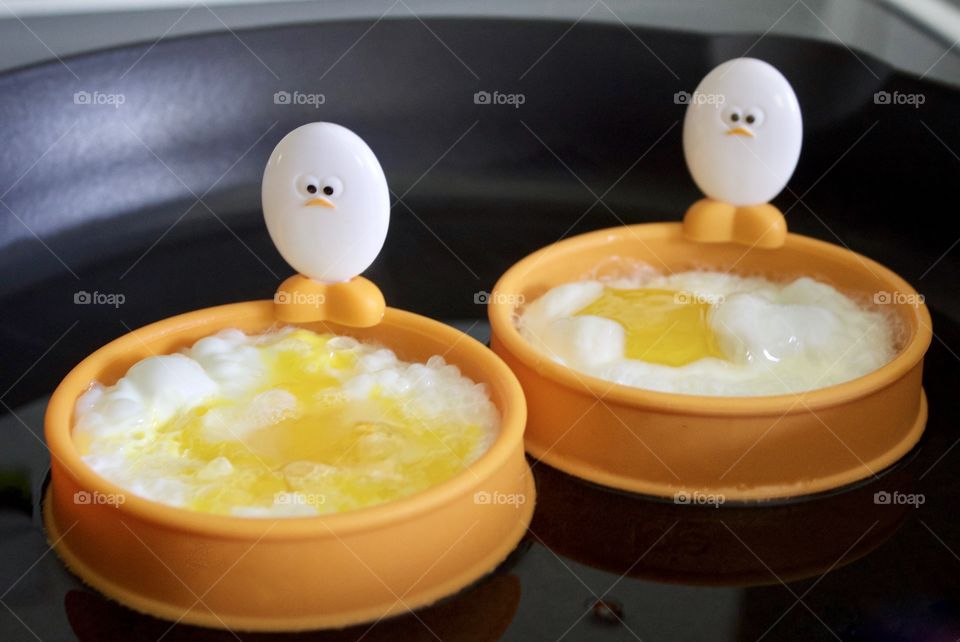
(711, 221)
(356, 303)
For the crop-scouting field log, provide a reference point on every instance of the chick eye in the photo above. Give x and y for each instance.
(732, 115)
(332, 186)
(754, 116)
(307, 184)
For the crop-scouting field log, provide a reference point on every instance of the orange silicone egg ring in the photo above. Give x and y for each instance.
(294, 573)
(743, 448)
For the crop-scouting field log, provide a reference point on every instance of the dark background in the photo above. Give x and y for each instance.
(157, 200)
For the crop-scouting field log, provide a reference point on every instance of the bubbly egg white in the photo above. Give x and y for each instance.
(774, 338)
(286, 423)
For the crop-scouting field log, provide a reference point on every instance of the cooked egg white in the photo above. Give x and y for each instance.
(286, 423)
(710, 333)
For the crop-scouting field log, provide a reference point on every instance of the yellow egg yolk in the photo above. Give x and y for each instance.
(337, 453)
(662, 326)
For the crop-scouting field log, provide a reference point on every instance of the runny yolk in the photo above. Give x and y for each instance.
(662, 326)
(350, 454)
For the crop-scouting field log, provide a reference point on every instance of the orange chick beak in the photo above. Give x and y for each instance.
(321, 201)
(740, 131)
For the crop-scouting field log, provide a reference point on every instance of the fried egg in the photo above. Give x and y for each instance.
(710, 333)
(286, 423)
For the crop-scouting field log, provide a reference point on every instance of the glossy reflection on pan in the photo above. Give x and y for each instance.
(719, 544)
(481, 612)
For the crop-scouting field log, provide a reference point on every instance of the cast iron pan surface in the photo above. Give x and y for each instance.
(157, 200)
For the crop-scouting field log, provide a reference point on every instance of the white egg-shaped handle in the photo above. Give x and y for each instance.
(327, 208)
(742, 132)
(326, 202)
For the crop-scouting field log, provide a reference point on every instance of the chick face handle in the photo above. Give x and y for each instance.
(741, 138)
(327, 209)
